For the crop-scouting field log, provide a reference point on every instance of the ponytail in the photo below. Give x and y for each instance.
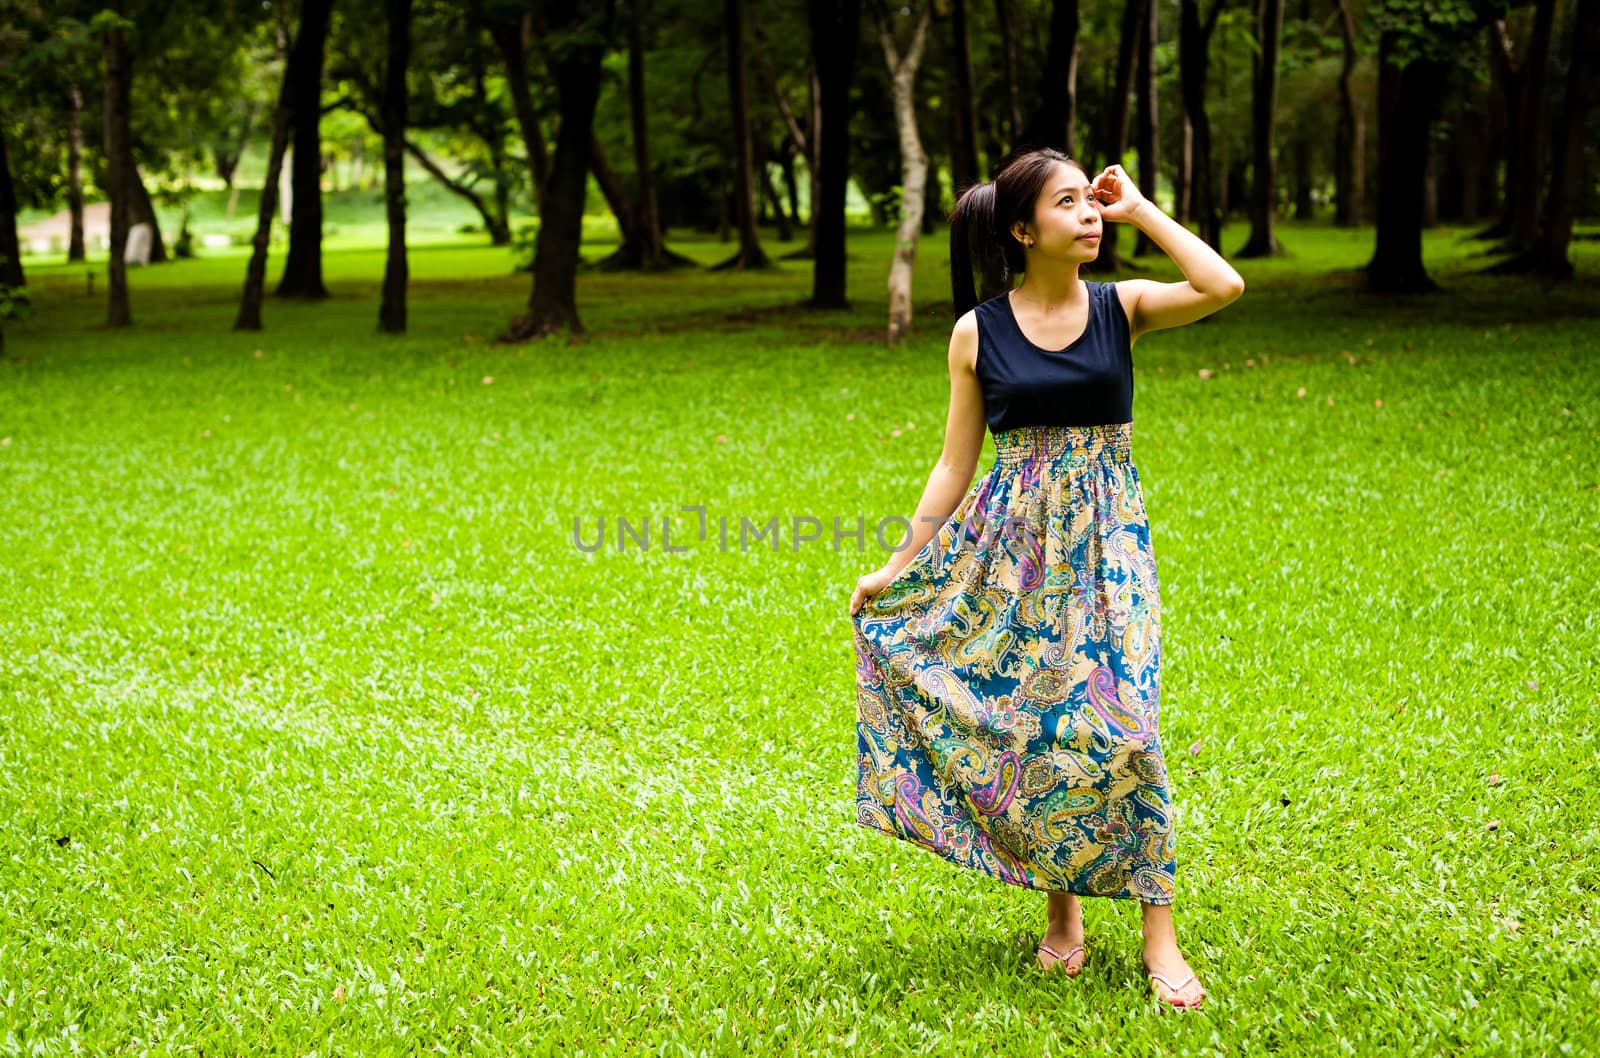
(971, 234)
(976, 241)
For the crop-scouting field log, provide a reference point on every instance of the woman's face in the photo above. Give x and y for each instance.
(1066, 217)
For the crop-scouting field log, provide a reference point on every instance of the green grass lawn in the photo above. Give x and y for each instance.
(321, 736)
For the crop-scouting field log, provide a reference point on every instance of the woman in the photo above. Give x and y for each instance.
(1009, 654)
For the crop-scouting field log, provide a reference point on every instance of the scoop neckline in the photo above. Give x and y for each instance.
(1088, 323)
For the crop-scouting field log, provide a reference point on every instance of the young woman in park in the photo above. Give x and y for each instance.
(1009, 654)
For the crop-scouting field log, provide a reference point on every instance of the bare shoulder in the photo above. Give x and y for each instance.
(964, 341)
(1152, 306)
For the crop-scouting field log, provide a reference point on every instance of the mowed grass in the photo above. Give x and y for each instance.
(322, 736)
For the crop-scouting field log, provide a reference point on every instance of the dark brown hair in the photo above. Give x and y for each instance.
(983, 215)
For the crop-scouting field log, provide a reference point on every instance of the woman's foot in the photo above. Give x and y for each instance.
(1174, 982)
(1062, 943)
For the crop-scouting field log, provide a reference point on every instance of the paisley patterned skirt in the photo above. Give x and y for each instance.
(1008, 680)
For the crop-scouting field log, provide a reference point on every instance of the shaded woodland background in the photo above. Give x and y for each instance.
(772, 121)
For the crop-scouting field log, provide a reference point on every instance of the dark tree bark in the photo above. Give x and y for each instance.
(10, 245)
(1525, 164)
(1008, 48)
(963, 120)
(510, 38)
(1134, 18)
(143, 211)
(1547, 257)
(302, 269)
(119, 163)
(1350, 138)
(749, 255)
(1147, 130)
(75, 251)
(1263, 105)
(835, 36)
(643, 247)
(255, 276)
(552, 304)
(392, 310)
(1053, 122)
(1194, 44)
(1408, 100)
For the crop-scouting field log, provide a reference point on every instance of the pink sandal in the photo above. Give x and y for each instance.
(1191, 979)
(1062, 957)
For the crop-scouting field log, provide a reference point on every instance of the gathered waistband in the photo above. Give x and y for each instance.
(1065, 446)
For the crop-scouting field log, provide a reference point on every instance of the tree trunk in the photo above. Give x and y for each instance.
(1350, 147)
(392, 310)
(510, 37)
(1407, 100)
(1525, 168)
(1194, 42)
(143, 211)
(11, 274)
(1053, 122)
(1135, 17)
(1263, 105)
(302, 270)
(75, 249)
(119, 159)
(1147, 135)
(1008, 48)
(255, 276)
(963, 120)
(749, 255)
(913, 163)
(1547, 257)
(612, 191)
(553, 302)
(835, 35)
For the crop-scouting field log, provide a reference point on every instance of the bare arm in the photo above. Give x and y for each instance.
(1209, 283)
(963, 444)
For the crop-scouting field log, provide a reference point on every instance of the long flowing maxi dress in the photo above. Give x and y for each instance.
(1009, 678)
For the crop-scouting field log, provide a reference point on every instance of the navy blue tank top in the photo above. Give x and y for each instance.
(1089, 383)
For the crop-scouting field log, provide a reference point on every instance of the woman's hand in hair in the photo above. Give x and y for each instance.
(1114, 190)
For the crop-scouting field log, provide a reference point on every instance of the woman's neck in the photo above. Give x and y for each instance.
(1050, 285)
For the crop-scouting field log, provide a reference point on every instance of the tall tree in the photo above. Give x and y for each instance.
(1194, 58)
(1008, 48)
(749, 254)
(119, 160)
(1547, 256)
(249, 316)
(579, 33)
(1147, 130)
(913, 161)
(1263, 106)
(10, 245)
(1054, 120)
(1525, 158)
(392, 310)
(964, 169)
(302, 269)
(1420, 51)
(835, 37)
(643, 246)
(1134, 18)
(1350, 138)
(75, 250)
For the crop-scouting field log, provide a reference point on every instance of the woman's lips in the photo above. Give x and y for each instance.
(1093, 236)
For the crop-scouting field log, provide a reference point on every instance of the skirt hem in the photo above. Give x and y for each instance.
(953, 858)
